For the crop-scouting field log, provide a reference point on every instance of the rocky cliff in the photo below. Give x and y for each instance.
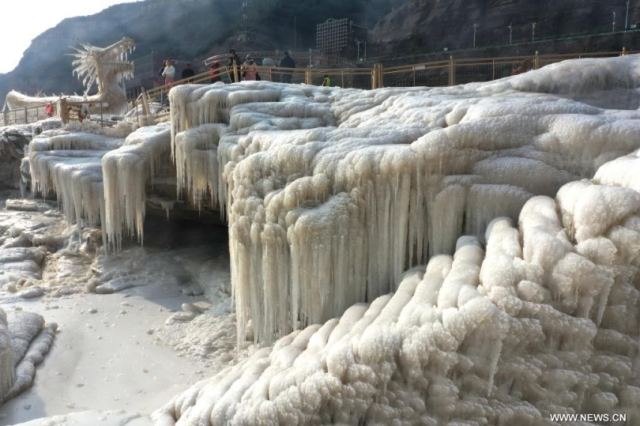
(433, 25)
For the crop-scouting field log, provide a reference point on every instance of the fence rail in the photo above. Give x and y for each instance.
(24, 115)
(437, 73)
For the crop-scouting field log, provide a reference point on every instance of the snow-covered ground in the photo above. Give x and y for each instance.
(440, 256)
(125, 339)
(107, 355)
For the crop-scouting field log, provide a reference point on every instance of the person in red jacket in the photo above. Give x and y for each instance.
(214, 71)
(249, 69)
(525, 67)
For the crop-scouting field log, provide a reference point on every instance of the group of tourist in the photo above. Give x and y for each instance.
(247, 70)
(168, 72)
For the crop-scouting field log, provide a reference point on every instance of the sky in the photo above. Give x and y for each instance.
(24, 20)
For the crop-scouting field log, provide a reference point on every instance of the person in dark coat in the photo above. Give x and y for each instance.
(287, 62)
(233, 58)
(188, 73)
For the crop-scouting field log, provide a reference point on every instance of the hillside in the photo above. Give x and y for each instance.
(433, 25)
(169, 26)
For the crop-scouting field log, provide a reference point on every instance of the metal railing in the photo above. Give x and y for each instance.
(25, 115)
(433, 74)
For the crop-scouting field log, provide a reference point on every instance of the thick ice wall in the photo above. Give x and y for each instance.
(533, 324)
(69, 163)
(402, 189)
(194, 105)
(195, 152)
(400, 172)
(101, 178)
(202, 115)
(126, 172)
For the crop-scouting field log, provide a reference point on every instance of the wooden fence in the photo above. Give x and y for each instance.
(437, 73)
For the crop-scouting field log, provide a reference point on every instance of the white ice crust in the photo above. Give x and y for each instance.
(520, 195)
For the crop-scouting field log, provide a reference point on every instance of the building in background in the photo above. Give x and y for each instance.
(341, 37)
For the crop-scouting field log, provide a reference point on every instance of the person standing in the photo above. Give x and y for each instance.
(161, 73)
(326, 82)
(525, 67)
(188, 73)
(233, 59)
(214, 69)
(85, 110)
(168, 73)
(287, 62)
(249, 69)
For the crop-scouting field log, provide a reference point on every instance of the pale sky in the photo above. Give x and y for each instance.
(24, 20)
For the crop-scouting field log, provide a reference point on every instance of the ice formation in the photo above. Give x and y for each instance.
(324, 186)
(98, 176)
(520, 196)
(70, 164)
(126, 172)
(7, 373)
(24, 341)
(327, 186)
(544, 320)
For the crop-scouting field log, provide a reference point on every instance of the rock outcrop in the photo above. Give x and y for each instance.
(12, 146)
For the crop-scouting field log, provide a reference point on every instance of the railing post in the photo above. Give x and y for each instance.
(62, 111)
(536, 61)
(145, 107)
(452, 71)
(413, 70)
(380, 76)
(493, 73)
(235, 72)
(307, 76)
(373, 77)
(342, 78)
